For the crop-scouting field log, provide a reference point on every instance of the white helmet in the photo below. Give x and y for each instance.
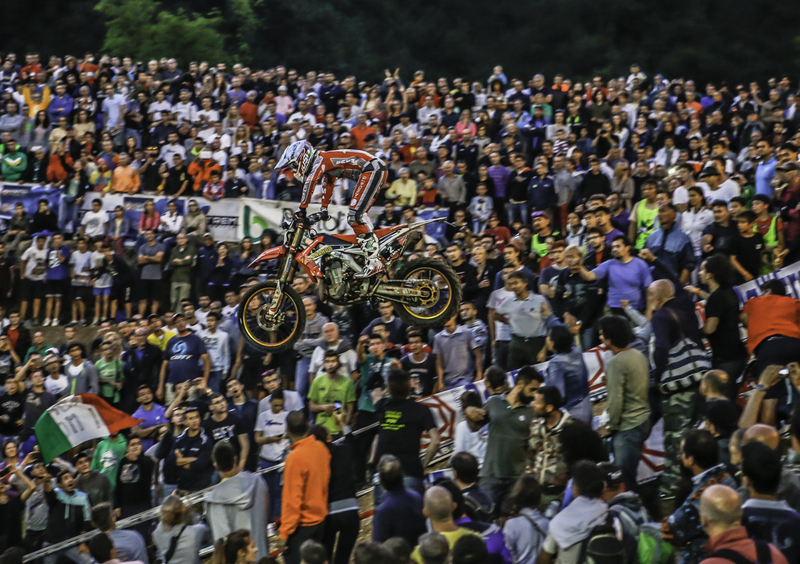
(299, 156)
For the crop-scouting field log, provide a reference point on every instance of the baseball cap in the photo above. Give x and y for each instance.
(612, 474)
(709, 171)
(208, 235)
(787, 166)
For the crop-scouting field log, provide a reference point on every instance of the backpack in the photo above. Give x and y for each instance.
(602, 546)
(763, 555)
(651, 548)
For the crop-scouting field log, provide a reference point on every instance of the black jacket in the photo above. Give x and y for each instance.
(139, 371)
(23, 341)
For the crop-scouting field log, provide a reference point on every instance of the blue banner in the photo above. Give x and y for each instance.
(29, 196)
(435, 230)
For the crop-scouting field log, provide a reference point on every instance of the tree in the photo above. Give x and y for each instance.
(141, 30)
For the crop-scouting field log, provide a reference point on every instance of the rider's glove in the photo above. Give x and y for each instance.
(300, 213)
(323, 215)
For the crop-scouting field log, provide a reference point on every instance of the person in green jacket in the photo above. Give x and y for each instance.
(14, 163)
(108, 454)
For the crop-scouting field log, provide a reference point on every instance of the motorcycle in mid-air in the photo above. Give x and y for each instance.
(426, 291)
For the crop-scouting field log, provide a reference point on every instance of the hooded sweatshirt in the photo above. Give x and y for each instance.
(239, 502)
(576, 521)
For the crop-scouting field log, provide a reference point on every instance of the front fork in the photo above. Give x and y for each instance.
(286, 273)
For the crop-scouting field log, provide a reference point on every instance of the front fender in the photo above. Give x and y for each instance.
(269, 254)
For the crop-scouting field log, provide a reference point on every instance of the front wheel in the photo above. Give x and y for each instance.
(271, 332)
(441, 289)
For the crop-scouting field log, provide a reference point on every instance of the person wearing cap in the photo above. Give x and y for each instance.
(714, 189)
(284, 104)
(55, 383)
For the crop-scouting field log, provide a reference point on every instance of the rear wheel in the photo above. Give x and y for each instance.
(275, 333)
(441, 289)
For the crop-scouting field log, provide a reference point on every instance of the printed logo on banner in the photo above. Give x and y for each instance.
(443, 406)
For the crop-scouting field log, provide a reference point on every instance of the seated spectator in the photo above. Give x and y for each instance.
(400, 512)
(129, 544)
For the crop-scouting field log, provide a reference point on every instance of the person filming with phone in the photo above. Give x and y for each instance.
(332, 392)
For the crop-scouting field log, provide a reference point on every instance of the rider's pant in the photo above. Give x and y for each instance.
(369, 183)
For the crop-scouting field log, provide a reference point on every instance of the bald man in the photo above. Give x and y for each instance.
(438, 508)
(789, 487)
(673, 320)
(720, 516)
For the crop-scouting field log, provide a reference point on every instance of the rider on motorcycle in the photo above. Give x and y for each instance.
(311, 166)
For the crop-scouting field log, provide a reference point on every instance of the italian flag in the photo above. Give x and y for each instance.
(75, 420)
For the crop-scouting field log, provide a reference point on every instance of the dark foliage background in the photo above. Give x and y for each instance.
(734, 40)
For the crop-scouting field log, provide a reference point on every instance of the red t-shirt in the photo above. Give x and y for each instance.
(771, 315)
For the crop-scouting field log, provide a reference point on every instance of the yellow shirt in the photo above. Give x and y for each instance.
(162, 342)
(452, 539)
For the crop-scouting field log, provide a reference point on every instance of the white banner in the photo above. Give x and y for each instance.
(258, 215)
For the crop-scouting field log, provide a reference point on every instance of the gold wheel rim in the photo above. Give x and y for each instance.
(438, 292)
(246, 327)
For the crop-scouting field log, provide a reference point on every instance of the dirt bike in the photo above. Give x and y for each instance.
(426, 291)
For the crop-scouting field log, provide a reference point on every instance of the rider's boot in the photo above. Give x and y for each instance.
(369, 246)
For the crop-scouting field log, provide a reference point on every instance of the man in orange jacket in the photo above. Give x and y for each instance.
(305, 489)
(200, 170)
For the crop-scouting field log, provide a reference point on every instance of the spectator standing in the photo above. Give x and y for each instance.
(628, 382)
(191, 455)
(57, 276)
(454, 346)
(628, 276)
(33, 266)
(181, 261)
(150, 255)
(403, 421)
(224, 427)
(550, 467)
(313, 330)
(240, 501)
(176, 528)
(509, 415)
(574, 523)
(94, 484)
(764, 516)
(671, 245)
(683, 528)
(567, 372)
(68, 515)
(525, 533)
(400, 512)
(271, 435)
(330, 388)
(153, 417)
(218, 349)
(181, 359)
(305, 489)
(523, 314)
(107, 456)
(141, 364)
(438, 508)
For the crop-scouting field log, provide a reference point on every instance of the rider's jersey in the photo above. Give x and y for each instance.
(329, 165)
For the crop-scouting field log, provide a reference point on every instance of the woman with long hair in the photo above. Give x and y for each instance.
(176, 521)
(150, 218)
(496, 91)
(242, 134)
(83, 124)
(237, 548)
(38, 131)
(695, 219)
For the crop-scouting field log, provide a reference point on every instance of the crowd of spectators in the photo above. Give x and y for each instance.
(582, 215)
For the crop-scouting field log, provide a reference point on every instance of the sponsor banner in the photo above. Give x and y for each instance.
(435, 230)
(29, 195)
(789, 275)
(222, 217)
(259, 215)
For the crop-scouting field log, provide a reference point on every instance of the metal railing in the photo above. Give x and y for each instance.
(192, 499)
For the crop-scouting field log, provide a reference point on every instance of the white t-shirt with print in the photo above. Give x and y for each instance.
(35, 263)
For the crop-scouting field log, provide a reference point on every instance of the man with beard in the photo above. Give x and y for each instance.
(134, 476)
(509, 415)
(223, 426)
(153, 416)
(549, 464)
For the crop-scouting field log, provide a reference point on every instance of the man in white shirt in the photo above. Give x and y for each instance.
(94, 222)
(271, 382)
(172, 148)
(500, 332)
(302, 114)
(668, 155)
(208, 115)
(186, 109)
(331, 341)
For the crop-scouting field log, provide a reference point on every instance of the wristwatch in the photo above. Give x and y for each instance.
(761, 387)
